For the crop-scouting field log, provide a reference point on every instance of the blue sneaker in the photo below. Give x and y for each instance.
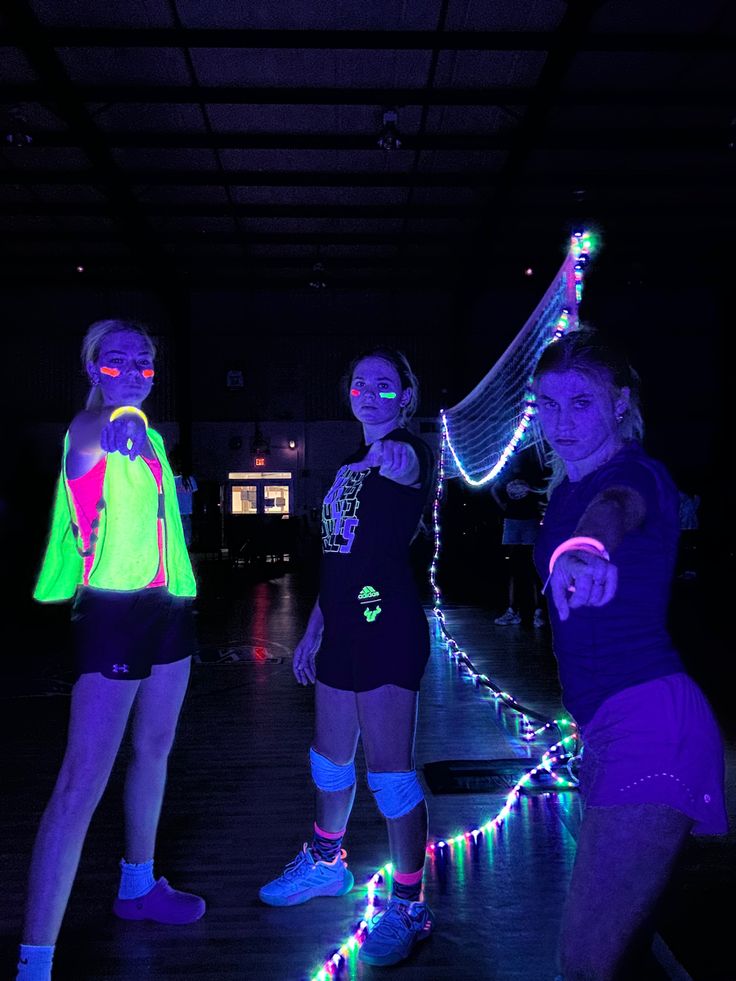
(307, 877)
(396, 931)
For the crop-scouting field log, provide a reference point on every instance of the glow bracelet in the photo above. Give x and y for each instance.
(125, 409)
(579, 543)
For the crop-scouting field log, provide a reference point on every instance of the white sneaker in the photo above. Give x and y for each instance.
(395, 932)
(307, 877)
(539, 620)
(508, 618)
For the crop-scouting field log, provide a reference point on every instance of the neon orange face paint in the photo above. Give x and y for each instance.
(115, 372)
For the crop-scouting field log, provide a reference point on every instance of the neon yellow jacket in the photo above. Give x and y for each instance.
(126, 553)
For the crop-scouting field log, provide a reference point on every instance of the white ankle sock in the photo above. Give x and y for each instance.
(34, 963)
(135, 880)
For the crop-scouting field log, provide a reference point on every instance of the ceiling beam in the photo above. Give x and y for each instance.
(722, 94)
(335, 212)
(223, 210)
(219, 261)
(368, 40)
(227, 237)
(685, 138)
(690, 178)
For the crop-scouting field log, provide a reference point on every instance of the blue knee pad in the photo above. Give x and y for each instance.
(396, 793)
(329, 776)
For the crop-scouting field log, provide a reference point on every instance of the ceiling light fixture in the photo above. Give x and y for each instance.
(388, 138)
(17, 134)
(317, 282)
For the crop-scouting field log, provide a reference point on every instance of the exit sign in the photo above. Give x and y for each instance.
(259, 461)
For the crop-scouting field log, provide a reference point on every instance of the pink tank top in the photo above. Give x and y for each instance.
(87, 493)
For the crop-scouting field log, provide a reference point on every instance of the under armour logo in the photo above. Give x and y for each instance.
(371, 615)
(120, 669)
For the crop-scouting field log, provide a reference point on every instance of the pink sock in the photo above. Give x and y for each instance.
(408, 885)
(326, 844)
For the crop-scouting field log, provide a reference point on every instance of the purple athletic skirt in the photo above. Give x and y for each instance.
(657, 743)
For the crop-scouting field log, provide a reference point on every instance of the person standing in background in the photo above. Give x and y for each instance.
(518, 493)
(186, 488)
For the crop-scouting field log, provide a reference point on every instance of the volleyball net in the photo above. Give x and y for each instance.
(483, 431)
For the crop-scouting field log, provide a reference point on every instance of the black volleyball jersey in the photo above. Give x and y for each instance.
(368, 523)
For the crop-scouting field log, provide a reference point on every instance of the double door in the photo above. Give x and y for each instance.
(260, 493)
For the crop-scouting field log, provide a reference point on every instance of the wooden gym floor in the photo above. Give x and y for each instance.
(238, 807)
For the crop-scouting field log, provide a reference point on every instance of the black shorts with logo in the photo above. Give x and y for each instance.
(120, 635)
(378, 638)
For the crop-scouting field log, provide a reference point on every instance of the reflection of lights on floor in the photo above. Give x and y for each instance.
(459, 847)
(455, 851)
(235, 653)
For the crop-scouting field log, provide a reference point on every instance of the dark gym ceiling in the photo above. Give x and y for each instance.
(233, 145)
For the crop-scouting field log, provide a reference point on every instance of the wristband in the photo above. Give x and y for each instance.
(579, 543)
(125, 409)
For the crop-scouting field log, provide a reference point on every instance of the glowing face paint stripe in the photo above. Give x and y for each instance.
(355, 392)
(115, 372)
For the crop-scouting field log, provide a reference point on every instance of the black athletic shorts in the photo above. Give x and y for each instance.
(121, 635)
(363, 649)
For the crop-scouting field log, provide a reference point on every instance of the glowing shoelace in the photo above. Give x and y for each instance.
(295, 865)
(396, 919)
(306, 856)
